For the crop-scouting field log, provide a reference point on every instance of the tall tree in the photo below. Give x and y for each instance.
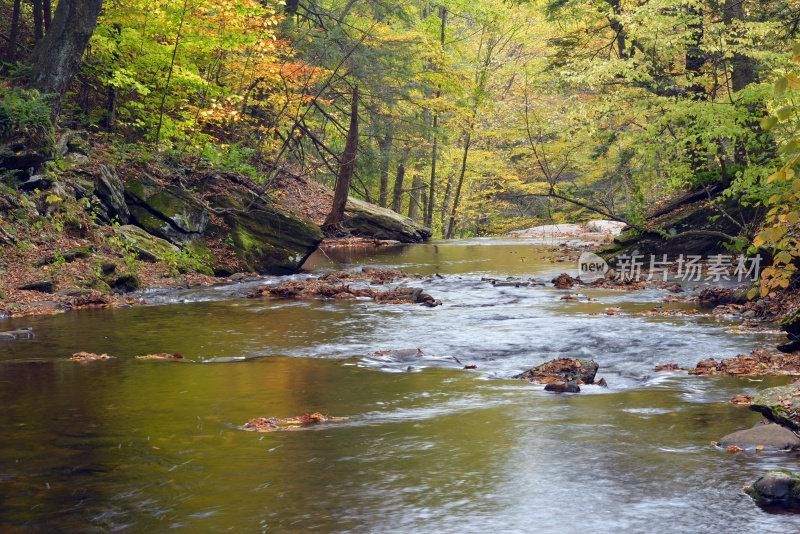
(57, 57)
(336, 216)
(11, 51)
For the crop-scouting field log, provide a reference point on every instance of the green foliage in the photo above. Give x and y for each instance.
(780, 233)
(25, 113)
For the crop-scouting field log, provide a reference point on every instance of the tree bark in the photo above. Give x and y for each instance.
(47, 7)
(385, 147)
(38, 27)
(11, 51)
(57, 58)
(451, 225)
(336, 216)
(397, 197)
(432, 188)
(414, 197)
(742, 75)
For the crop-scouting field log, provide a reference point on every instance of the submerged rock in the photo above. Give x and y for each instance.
(271, 424)
(563, 387)
(19, 333)
(771, 436)
(562, 370)
(780, 404)
(778, 488)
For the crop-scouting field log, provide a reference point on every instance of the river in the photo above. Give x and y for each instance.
(154, 446)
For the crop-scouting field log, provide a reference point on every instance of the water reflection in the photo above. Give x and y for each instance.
(151, 446)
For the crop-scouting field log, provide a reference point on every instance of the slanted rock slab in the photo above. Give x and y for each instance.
(373, 221)
(771, 436)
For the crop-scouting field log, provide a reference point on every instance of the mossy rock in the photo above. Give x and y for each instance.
(125, 283)
(369, 220)
(264, 238)
(69, 256)
(777, 488)
(147, 247)
(780, 404)
(168, 212)
(98, 284)
(791, 324)
(701, 215)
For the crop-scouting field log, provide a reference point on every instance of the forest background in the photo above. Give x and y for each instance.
(472, 118)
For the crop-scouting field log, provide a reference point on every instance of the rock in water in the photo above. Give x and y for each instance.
(20, 333)
(563, 387)
(770, 436)
(373, 221)
(791, 325)
(562, 370)
(780, 404)
(777, 488)
(564, 281)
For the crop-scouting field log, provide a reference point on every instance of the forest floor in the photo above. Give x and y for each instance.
(42, 245)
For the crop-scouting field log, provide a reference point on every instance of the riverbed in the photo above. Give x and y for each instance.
(153, 446)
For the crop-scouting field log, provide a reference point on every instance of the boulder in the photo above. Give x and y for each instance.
(369, 220)
(264, 238)
(791, 325)
(777, 488)
(780, 404)
(771, 436)
(166, 211)
(562, 370)
(550, 230)
(111, 195)
(43, 286)
(23, 154)
(606, 226)
(692, 211)
(147, 247)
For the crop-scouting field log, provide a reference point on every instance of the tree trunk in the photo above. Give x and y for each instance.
(742, 75)
(451, 225)
(38, 27)
(336, 216)
(47, 6)
(415, 195)
(695, 59)
(11, 51)
(448, 192)
(432, 188)
(397, 197)
(57, 58)
(290, 9)
(385, 147)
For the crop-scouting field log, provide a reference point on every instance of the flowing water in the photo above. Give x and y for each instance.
(153, 446)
